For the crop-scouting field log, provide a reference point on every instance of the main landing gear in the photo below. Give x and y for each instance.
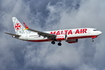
(59, 44)
(53, 42)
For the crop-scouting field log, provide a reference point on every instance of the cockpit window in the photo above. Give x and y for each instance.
(95, 30)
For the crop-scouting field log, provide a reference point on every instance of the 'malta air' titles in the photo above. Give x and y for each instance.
(68, 32)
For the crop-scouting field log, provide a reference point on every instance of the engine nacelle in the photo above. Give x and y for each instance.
(72, 40)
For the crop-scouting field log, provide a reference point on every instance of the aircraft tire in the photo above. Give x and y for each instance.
(59, 44)
(53, 42)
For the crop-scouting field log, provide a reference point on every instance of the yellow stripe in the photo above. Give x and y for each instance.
(26, 28)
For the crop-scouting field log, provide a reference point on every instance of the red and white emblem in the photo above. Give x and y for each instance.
(17, 26)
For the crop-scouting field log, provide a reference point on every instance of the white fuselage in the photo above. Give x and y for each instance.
(63, 34)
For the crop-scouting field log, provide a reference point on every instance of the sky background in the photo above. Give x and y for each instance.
(47, 15)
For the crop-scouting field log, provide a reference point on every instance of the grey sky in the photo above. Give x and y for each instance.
(49, 15)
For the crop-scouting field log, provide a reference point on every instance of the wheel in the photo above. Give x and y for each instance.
(59, 44)
(53, 42)
(93, 40)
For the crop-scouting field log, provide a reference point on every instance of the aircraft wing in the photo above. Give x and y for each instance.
(12, 34)
(49, 36)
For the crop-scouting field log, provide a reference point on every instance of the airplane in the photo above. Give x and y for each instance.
(23, 32)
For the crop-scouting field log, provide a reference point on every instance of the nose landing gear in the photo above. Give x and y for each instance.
(92, 39)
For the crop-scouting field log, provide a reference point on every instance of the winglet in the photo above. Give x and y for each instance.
(26, 27)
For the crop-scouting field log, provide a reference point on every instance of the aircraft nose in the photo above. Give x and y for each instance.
(99, 32)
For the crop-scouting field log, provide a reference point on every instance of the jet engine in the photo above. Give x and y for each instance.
(72, 40)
